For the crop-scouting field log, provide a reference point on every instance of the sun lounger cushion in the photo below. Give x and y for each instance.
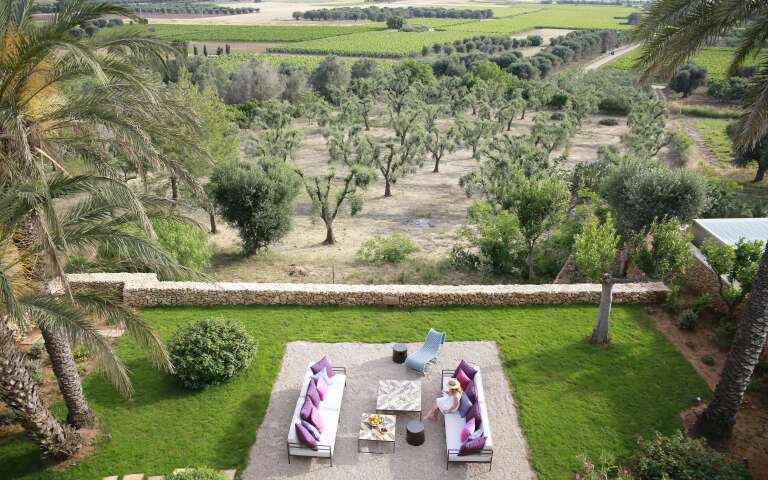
(311, 429)
(313, 394)
(463, 379)
(468, 369)
(472, 446)
(325, 364)
(305, 437)
(464, 405)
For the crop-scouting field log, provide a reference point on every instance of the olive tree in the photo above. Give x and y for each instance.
(330, 79)
(276, 137)
(736, 267)
(257, 79)
(257, 198)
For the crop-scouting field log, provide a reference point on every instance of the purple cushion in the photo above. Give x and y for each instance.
(311, 429)
(476, 434)
(463, 379)
(313, 394)
(316, 420)
(323, 363)
(322, 387)
(466, 368)
(324, 375)
(464, 405)
(471, 392)
(474, 412)
(469, 429)
(472, 445)
(306, 409)
(305, 437)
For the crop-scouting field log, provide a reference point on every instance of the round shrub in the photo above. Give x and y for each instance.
(196, 474)
(615, 105)
(392, 249)
(688, 319)
(209, 352)
(185, 242)
(608, 122)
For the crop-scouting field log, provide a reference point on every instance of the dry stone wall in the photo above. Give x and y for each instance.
(145, 290)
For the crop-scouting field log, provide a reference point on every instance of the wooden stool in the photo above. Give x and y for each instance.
(414, 433)
(399, 353)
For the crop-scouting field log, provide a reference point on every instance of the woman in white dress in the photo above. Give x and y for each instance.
(449, 402)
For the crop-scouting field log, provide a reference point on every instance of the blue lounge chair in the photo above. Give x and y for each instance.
(422, 360)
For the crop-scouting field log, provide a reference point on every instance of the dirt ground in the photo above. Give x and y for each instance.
(427, 207)
(750, 435)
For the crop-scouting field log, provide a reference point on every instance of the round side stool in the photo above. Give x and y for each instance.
(414, 433)
(399, 353)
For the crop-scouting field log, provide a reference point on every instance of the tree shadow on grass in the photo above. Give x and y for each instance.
(20, 457)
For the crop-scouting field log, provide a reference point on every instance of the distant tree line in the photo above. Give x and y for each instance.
(89, 29)
(380, 14)
(458, 56)
(163, 6)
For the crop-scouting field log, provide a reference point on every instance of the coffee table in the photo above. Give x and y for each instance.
(399, 396)
(373, 439)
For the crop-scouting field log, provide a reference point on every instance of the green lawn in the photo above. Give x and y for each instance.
(573, 397)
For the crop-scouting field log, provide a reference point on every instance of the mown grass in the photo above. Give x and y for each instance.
(573, 397)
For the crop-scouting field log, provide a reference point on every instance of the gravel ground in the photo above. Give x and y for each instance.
(366, 364)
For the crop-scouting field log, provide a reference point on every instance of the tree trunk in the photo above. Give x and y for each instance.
(522, 116)
(20, 393)
(365, 122)
(437, 165)
(718, 419)
(212, 218)
(329, 238)
(79, 414)
(474, 152)
(600, 332)
(174, 188)
(529, 261)
(387, 187)
(760, 174)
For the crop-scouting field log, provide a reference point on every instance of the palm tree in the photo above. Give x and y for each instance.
(92, 100)
(673, 30)
(83, 209)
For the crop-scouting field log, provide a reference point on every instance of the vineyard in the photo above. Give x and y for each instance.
(259, 33)
(715, 59)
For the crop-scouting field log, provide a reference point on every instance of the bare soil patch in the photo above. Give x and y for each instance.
(427, 207)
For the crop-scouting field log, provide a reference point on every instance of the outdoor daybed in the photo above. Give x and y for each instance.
(473, 449)
(329, 410)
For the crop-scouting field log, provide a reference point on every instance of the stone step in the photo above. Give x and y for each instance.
(113, 477)
(134, 476)
(228, 474)
(157, 477)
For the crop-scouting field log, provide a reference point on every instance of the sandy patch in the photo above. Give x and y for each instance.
(366, 364)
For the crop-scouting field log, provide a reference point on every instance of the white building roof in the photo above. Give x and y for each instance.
(730, 230)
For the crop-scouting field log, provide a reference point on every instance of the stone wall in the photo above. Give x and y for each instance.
(700, 278)
(144, 290)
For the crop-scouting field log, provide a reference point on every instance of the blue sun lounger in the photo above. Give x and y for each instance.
(422, 360)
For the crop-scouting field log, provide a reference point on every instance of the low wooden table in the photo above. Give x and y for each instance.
(372, 440)
(399, 396)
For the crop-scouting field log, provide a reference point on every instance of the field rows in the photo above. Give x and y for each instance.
(259, 33)
(228, 63)
(715, 59)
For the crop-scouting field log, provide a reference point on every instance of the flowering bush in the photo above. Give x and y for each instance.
(605, 469)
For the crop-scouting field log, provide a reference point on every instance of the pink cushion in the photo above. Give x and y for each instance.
(322, 387)
(472, 445)
(463, 379)
(474, 413)
(323, 363)
(316, 420)
(469, 429)
(466, 368)
(313, 394)
(306, 409)
(305, 437)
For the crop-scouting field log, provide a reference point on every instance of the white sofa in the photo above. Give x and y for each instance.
(455, 422)
(330, 409)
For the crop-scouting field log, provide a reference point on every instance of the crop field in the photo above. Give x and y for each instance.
(551, 16)
(715, 59)
(228, 63)
(259, 33)
(713, 133)
(372, 44)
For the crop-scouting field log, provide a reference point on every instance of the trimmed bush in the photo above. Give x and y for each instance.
(608, 122)
(36, 351)
(390, 249)
(196, 474)
(615, 105)
(682, 458)
(210, 352)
